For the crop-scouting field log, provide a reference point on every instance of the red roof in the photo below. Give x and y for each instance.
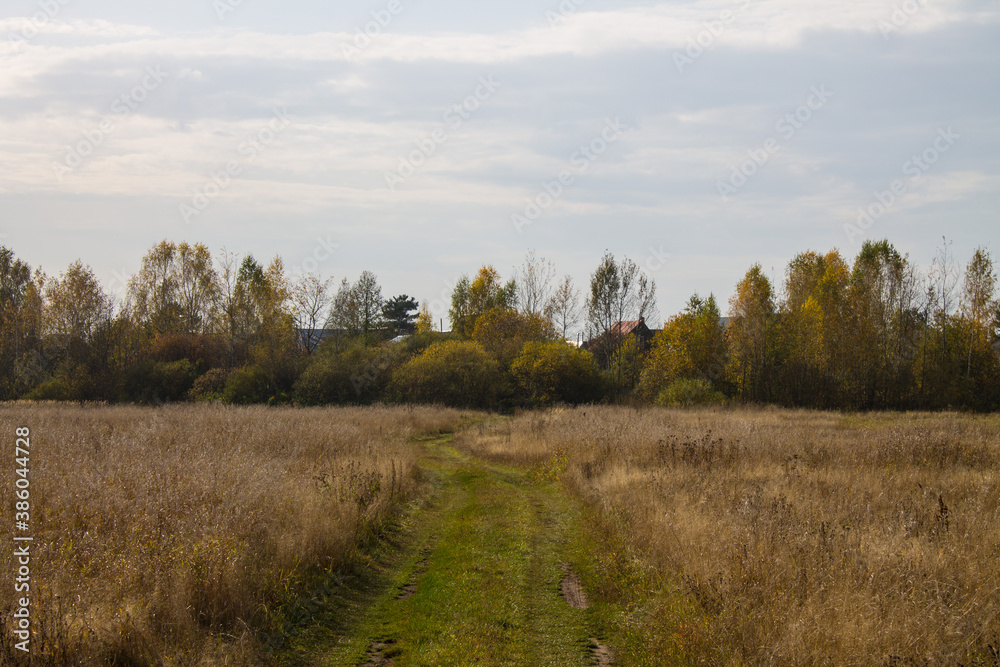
(626, 327)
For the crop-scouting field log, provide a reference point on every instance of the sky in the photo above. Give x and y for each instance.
(421, 139)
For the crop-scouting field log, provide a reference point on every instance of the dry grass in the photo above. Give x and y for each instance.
(805, 537)
(176, 535)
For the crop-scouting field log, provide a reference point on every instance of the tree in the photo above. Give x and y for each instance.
(979, 309)
(15, 279)
(76, 304)
(460, 311)
(626, 363)
(469, 300)
(79, 327)
(311, 304)
(226, 304)
(619, 292)
(691, 345)
(263, 316)
(504, 331)
(811, 328)
(152, 291)
(197, 286)
(20, 323)
(979, 303)
(175, 289)
(885, 323)
(425, 321)
(752, 312)
(534, 284)
(370, 303)
(553, 371)
(398, 313)
(456, 373)
(357, 308)
(831, 293)
(346, 312)
(563, 307)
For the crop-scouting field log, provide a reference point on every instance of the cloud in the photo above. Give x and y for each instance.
(357, 120)
(771, 24)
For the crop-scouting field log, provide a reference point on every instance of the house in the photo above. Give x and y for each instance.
(608, 341)
(309, 339)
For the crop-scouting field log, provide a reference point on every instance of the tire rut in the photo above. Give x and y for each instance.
(419, 570)
(379, 654)
(576, 597)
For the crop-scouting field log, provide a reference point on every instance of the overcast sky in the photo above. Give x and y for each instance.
(694, 137)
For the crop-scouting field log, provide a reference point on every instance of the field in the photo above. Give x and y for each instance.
(192, 535)
(183, 534)
(805, 537)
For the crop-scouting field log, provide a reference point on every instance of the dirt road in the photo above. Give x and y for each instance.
(485, 573)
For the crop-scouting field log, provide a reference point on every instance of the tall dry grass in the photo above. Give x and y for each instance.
(805, 537)
(175, 535)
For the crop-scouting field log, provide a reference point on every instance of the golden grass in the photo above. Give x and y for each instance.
(805, 537)
(176, 534)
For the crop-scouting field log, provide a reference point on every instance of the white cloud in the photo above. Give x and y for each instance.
(754, 24)
(356, 120)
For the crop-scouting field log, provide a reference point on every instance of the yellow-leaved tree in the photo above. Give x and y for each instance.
(691, 345)
(751, 336)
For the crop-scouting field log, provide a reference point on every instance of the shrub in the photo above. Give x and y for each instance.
(556, 372)
(210, 386)
(250, 384)
(160, 382)
(688, 391)
(503, 332)
(56, 389)
(457, 373)
(359, 375)
(203, 350)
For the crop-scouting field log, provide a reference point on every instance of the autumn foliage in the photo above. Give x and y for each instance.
(877, 332)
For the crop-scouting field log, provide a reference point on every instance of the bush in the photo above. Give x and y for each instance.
(56, 389)
(204, 351)
(210, 386)
(159, 382)
(688, 391)
(556, 372)
(456, 373)
(503, 332)
(358, 375)
(250, 384)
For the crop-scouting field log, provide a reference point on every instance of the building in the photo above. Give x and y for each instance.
(609, 341)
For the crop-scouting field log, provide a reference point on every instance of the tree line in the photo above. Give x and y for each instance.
(877, 333)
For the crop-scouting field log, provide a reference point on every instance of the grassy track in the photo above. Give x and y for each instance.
(477, 578)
